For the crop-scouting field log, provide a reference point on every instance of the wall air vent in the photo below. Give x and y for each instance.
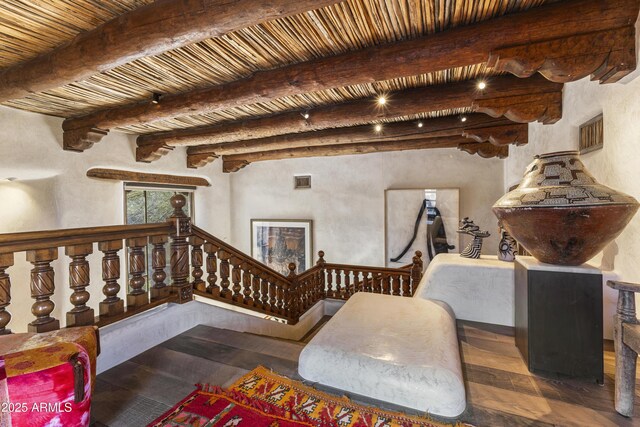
(302, 181)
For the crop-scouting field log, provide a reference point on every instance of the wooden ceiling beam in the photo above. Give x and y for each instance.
(236, 162)
(484, 149)
(145, 31)
(479, 126)
(541, 39)
(520, 100)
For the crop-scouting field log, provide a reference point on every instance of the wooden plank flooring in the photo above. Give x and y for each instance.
(500, 390)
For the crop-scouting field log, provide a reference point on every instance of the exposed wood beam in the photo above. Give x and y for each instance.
(484, 149)
(521, 100)
(551, 29)
(233, 163)
(155, 178)
(478, 126)
(499, 135)
(145, 31)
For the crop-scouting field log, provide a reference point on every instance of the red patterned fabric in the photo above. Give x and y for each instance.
(37, 378)
(227, 409)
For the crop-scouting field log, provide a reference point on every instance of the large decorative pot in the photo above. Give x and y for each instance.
(560, 214)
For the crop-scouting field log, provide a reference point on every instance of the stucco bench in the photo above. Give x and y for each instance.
(481, 290)
(395, 349)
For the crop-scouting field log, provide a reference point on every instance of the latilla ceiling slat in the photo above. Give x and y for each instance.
(29, 28)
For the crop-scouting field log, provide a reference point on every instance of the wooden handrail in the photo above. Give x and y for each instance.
(197, 231)
(33, 240)
(393, 270)
(308, 272)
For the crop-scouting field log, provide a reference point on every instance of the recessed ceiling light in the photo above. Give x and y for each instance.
(463, 119)
(382, 100)
(306, 116)
(420, 124)
(378, 128)
(156, 98)
(482, 85)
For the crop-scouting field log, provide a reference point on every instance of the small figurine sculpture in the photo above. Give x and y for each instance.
(474, 248)
(507, 246)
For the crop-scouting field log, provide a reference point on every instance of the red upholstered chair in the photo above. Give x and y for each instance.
(48, 378)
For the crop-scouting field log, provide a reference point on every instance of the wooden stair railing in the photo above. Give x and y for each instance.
(42, 249)
(231, 276)
(238, 279)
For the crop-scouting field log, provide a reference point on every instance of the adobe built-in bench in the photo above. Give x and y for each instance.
(398, 350)
(481, 290)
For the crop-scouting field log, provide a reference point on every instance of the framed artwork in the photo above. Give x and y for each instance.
(277, 243)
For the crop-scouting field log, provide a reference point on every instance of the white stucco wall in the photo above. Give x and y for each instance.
(616, 165)
(346, 201)
(53, 192)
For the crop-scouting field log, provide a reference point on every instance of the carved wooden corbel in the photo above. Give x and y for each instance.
(516, 134)
(485, 149)
(82, 138)
(148, 153)
(199, 160)
(606, 55)
(545, 107)
(229, 166)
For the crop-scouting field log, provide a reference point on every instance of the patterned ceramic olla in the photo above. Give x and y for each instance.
(560, 214)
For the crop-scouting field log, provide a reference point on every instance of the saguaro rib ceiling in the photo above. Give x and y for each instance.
(347, 26)
(459, 47)
(145, 31)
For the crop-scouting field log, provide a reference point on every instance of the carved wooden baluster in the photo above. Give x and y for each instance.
(280, 286)
(338, 292)
(293, 293)
(255, 285)
(137, 297)
(224, 273)
(79, 277)
(386, 284)
(235, 278)
(377, 282)
(246, 284)
(6, 261)
(395, 284)
(42, 287)
(112, 304)
(180, 232)
(330, 291)
(264, 292)
(416, 271)
(196, 263)
(366, 286)
(347, 283)
(212, 268)
(321, 290)
(159, 263)
(273, 296)
(406, 286)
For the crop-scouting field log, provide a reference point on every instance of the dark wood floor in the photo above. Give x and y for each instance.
(500, 390)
